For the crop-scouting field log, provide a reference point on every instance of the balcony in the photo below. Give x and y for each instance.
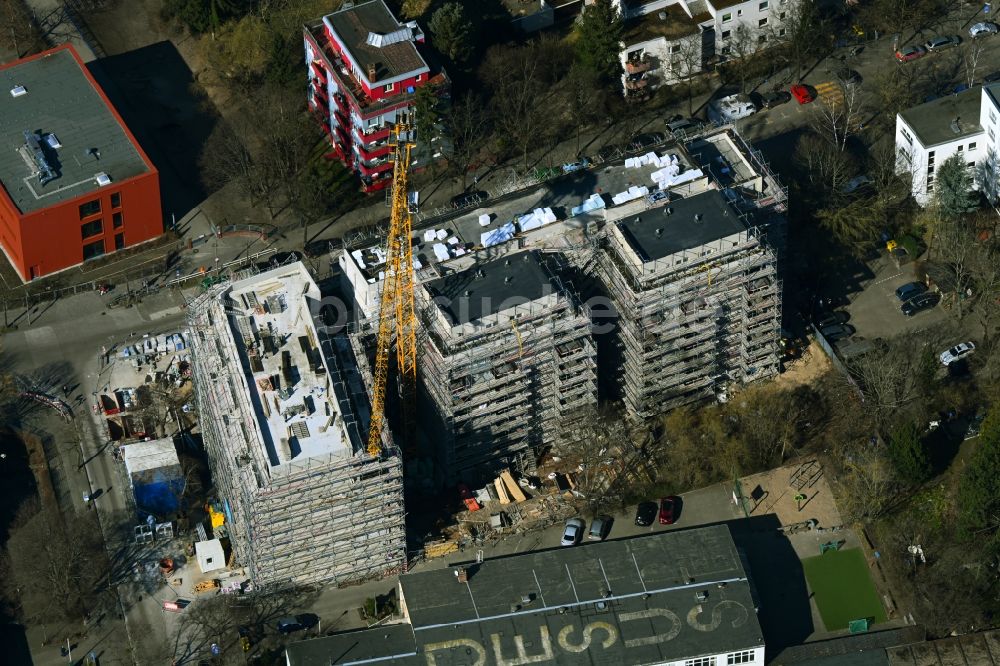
(374, 167)
(372, 134)
(373, 153)
(636, 82)
(638, 65)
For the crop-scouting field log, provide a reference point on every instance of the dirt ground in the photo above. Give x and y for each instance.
(805, 370)
(773, 492)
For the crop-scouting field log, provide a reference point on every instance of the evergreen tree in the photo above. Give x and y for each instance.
(598, 40)
(454, 34)
(979, 490)
(953, 194)
(909, 454)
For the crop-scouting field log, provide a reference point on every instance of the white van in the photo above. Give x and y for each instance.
(730, 108)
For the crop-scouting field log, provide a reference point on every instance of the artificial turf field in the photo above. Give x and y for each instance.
(843, 588)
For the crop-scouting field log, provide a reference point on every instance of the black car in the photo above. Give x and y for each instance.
(288, 625)
(679, 127)
(835, 332)
(831, 318)
(467, 199)
(848, 75)
(992, 78)
(920, 303)
(646, 513)
(909, 290)
(775, 98)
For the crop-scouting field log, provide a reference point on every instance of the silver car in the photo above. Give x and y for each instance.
(572, 533)
(941, 43)
(983, 30)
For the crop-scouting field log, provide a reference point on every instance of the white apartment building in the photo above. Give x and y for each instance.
(964, 124)
(668, 40)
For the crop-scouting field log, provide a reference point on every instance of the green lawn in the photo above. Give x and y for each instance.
(843, 588)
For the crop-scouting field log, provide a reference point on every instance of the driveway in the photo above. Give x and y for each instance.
(875, 310)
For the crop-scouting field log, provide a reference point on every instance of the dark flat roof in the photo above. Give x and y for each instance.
(654, 234)
(385, 642)
(353, 24)
(63, 100)
(640, 597)
(489, 287)
(931, 122)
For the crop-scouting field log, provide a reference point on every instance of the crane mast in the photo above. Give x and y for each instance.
(396, 309)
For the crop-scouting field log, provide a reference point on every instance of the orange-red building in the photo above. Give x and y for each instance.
(74, 183)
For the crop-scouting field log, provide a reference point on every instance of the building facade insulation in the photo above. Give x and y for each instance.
(284, 416)
(74, 183)
(364, 69)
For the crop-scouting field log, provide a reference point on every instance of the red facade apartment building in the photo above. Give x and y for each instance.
(74, 183)
(364, 70)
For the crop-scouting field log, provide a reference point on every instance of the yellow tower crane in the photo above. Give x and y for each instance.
(396, 310)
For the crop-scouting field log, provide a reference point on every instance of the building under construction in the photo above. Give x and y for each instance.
(698, 299)
(284, 415)
(508, 360)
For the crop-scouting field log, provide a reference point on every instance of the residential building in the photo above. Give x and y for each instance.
(667, 41)
(75, 183)
(507, 363)
(964, 124)
(283, 416)
(679, 598)
(698, 299)
(364, 69)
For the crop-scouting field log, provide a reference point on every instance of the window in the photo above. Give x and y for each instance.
(971, 165)
(119, 242)
(762, 38)
(762, 22)
(90, 208)
(744, 657)
(993, 117)
(93, 250)
(116, 200)
(91, 229)
(739, 12)
(904, 156)
(419, 76)
(960, 148)
(782, 15)
(675, 48)
(726, 33)
(762, 6)
(906, 135)
(729, 17)
(725, 50)
(992, 136)
(700, 661)
(389, 87)
(781, 33)
(116, 219)
(972, 146)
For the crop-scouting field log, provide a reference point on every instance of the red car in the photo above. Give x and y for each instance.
(908, 53)
(668, 510)
(802, 94)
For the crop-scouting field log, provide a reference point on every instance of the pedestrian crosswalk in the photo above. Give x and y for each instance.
(830, 92)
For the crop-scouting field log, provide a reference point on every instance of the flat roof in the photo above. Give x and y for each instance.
(650, 599)
(691, 222)
(389, 642)
(155, 454)
(61, 100)
(932, 122)
(353, 26)
(275, 333)
(490, 287)
(675, 24)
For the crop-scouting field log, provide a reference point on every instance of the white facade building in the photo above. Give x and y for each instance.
(668, 40)
(965, 124)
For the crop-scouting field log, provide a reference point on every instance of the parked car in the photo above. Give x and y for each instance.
(836, 332)
(941, 43)
(848, 75)
(830, 318)
(572, 532)
(466, 199)
(802, 94)
(920, 303)
(668, 510)
(908, 53)
(775, 98)
(599, 528)
(289, 625)
(645, 514)
(984, 29)
(909, 290)
(961, 87)
(957, 353)
(992, 78)
(681, 127)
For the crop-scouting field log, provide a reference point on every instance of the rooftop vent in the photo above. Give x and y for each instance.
(18, 91)
(53, 141)
(93, 152)
(668, 210)
(663, 16)
(468, 293)
(102, 179)
(697, 217)
(480, 273)
(659, 232)
(956, 126)
(378, 40)
(33, 142)
(527, 598)
(508, 279)
(372, 71)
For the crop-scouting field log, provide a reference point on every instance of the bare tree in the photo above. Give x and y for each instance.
(837, 120)
(687, 62)
(597, 443)
(971, 57)
(518, 96)
(868, 481)
(468, 127)
(743, 45)
(892, 376)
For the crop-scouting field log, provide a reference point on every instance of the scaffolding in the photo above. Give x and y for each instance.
(323, 515)
(506, 385)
